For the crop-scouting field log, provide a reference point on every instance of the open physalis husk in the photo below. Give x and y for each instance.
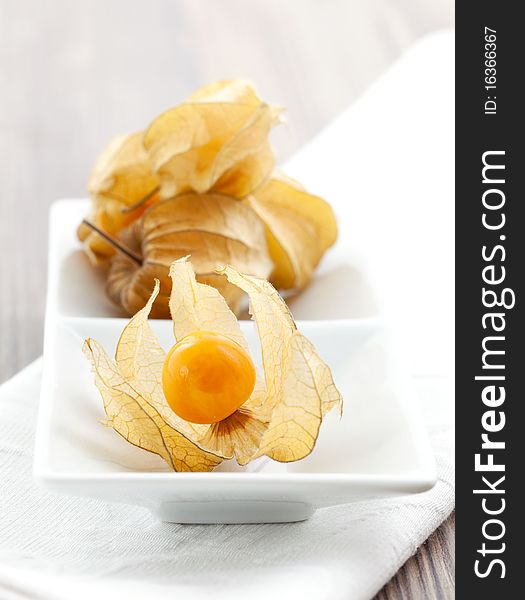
(280, 420)
(121, 186)
(300, 228)
(213, 228)
(215, 141)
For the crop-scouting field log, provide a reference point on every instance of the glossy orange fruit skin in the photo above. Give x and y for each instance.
(207, 377)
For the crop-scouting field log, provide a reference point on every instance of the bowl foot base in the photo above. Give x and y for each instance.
(233, 512)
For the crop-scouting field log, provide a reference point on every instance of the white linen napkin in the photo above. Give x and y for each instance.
(56, 547)
(377, 165)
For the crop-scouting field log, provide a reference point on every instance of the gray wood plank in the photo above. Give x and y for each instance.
(429, 574)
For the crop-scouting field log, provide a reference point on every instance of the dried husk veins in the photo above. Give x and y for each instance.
(299, 385)
(216, 141)
(121, 185)
(212, 228)
(300, 228)
(198, 307)
(282, 417)
(123, 172)
(130, 411)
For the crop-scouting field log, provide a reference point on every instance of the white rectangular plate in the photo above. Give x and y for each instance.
(379, 447)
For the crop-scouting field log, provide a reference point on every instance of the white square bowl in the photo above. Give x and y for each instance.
(379, 448)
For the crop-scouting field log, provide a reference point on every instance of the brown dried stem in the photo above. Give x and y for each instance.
(115, 243)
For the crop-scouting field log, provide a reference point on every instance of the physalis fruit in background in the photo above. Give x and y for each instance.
(200, 180)
(213, 228)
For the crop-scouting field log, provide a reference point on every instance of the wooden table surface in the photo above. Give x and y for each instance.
(74, 74)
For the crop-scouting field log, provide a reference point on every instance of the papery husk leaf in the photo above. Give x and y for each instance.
(248, 175)
(229, 292)
(195, 144)
(300, 387)
(136, 420)
(275, 326)
(238, 435)
(309, 393)
(300, 228)
(139, 355)
(140, 359)
(129, 284)
(123, 172)
(212, 228)
(121, 187)
(198, 307)
(295, 421)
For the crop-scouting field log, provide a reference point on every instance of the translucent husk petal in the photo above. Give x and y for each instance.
(300, 228)
(131, 415)
(215, 141)
(299, 385)
(212, 228)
